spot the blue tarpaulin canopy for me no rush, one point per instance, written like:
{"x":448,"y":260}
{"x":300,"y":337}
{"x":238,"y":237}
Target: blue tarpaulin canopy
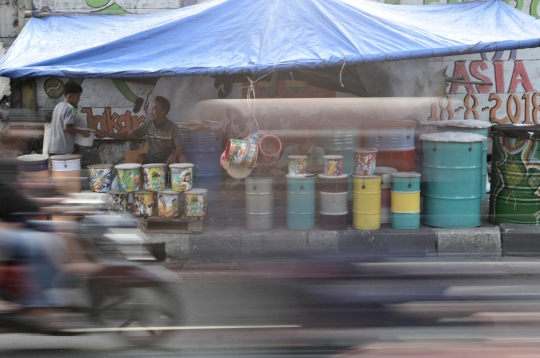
{"x":228,"y":37}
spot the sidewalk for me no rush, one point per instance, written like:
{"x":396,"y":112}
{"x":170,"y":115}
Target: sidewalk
{"x":225,"y":238}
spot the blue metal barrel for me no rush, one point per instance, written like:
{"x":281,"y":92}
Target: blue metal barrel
{"x":301,"y":202}
{"x":452,"y":171}
{"x":405,"y":200}
{"x":203,"y":147}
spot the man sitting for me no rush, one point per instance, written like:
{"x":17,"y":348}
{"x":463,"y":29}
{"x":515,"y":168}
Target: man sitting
{"x":162,"y":136}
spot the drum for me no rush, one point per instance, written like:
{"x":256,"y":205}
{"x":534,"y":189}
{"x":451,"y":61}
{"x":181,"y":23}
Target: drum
{"x":66,"y":173}
{"x":366,"y":202}
{"x":167,"y":203}
{"x":144,"y":203}
{"x":386,"y":186}
{"x":300,"y":202}
{"x":333,"y":165}
{"x":405,"y":200}
{"x":297,"y":165}
{"x":100,"y":177}
{"x":195,"y":202}
{"x":451,"y":187}
{"x":155,"y":176}
{"x":181,"y":176}
{"x":129,"y":177}
{"x":118,"y":201}
{"x":365,"y":160}
{"x":35,"y":165}
{"x":259,"y":202}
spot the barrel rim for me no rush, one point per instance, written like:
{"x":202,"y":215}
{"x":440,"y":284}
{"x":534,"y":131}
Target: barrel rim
{"x":460,"y":123}
{"x":332,"y":156}
{"x":32,"y":158}
{"x":365,"y":150}
{"x":300,"y":176}
{"x":453,"y":137}
{"x":62,"y":157}
{"x":128,"y":166}
{"x":366,"y":176}
{"x":297,"y":156}
{"x":181,"y":165}
{"x":406,"y":175}
{"x":152,"y":165}
{"x":168,"y":191}
{"x":341,"y":213}
{"x":342,"y":176}
{"x":100,"y":166}
{"x":195,"y":191}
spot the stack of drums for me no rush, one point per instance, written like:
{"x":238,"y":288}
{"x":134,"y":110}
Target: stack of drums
{"x":129,"y":181}
{"x":515,"y":175}
{"x":405,"y":200}
{"x":195,"y":202}
{"x":259,"y":202}
{"x":66,"y":173}
{"x":394,"y":141}
{"x":451,"y":188}
{"x":300,"y":202}
{"x":155,"y":181}
{"x":35,"y":166}
{"x":202,"y":145}
{"x":469,"y":126}
{"x":386,"y":186}
{"x":366,"y":202}
{"x":333,"y":193}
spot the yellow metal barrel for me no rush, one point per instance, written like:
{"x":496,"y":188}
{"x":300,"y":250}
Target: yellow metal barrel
{"x":366,"y":202}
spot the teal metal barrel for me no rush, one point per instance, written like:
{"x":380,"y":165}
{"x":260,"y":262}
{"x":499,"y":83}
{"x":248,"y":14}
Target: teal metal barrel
{"x":405,"y":205}
{"x":301,"y":202}
{"x":451,"y":187}
{"x":469,"y":126}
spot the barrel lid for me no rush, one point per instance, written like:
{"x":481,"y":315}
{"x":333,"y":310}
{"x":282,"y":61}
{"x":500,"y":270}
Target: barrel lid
{"x":388,"y":124}
{"x":365,"y":150}
{"x":128,"y":166}
{"x":66,"y":157}
{"x":384,"y":170}
{"x":522,"y":131}
{"x":366,"y":176}
{"x":334,"y":214}
{"x":303,"y":176}
{"x":200,"y":126}
{"x":342,"y":176}
{"x":297,"y":157}
{"x":32,"y":158}
{"x":460,"y":123}
{"x":406,"y":175}
{"x":168,"y":192}
{"x":100,"y":166}
{"x":181,"y":165}
{"x":459,"y":137}
{"x":197,"y":191}
{"x":154,"y":165}
{"x":332,"y":156}
{"x":143,"y":192}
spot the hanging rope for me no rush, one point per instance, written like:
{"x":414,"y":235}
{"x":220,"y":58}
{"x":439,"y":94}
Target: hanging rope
{"x":341,"y":73}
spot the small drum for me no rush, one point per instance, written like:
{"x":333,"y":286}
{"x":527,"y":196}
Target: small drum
{"x":66,"y":172}
{"x":333,"y":165}
{"x":35,"y":165}
{"x":118,"y":201}
{"x":386,"y":186}
{"x":168,"y":206}
{"x":406,"y":201}
{"x":155,"y":177}
{"x":366,"y":202}
{"x":297,"y":165}
{"x":144,"y":203}
{"x":181,"y":176}
{"x":129,"y":177}
{"x":195,"y":202}
{"x":365,"y":160}
{"x":100,"y":177}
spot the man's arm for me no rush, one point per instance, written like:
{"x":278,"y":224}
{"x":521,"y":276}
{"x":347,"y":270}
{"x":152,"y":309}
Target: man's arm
{"x":120,"y":135}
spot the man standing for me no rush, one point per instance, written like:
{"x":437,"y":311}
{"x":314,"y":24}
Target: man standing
{"x":63,"y":130}
{"x":162,"y":136}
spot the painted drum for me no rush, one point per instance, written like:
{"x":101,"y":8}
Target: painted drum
{"x":333,"y":184}
{"x":259,"y":202}
{"x":451,"y":184}
{"x":168,"y":204}
{"x":300,"y":202}
{"x":333,"y":222}
{"x":155,"y":176}
{"x":34,"y":165}
{"x":129,"y":177}
{"x":181,"y":176}
{"x":365,"y":160}
{"x":195,"y":202}
{"x":66,"y":173}
{"x":469,"y":126}
{"x":333,"y":165}
{"x":515,"y":175}
{"x":366,"y":202}
{"x":388,"y":134}
{"x":223,"y":161}
{"x":333,"y":203}
{"x":118,"y":201}
{"x":100,"y":177}
{"x":386,"y":186}
{"x":244,"y":152}
{"x":144,"y":203}
{"x":297,"y":165}
{"x":406,"y":200}
{"x":401,"y":159}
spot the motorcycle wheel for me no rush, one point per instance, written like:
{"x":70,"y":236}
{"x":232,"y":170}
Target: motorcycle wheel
{"x":141,"y":315}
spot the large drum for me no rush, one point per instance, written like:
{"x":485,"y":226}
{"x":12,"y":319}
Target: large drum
{"x":333,"y":184}
{"x":386,"y":186}
{"x":469,"y":126}
{"x":301,"y":202}
{"x":66,"y":173}
{"x":452,"y":170}
{"x":259,"y":202}
{"x":35,"y":166}
{"x":100,"y":177}
{"x":181,"y":176}
{"x":168,"y":204}
{"x":515,"y":175}
{"x":144,"y":203}
{"x":195,"y":202}
{"x":155,"y":177}
{"x":405,"y":200}
{"x":129,"y":177}
{"x":366,"y":202}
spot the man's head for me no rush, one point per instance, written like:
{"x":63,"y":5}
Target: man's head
{"x":72,"y":93}
{"x":162,"y":199}
{"x":160,"y":109}
{"x":305,"y":136}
